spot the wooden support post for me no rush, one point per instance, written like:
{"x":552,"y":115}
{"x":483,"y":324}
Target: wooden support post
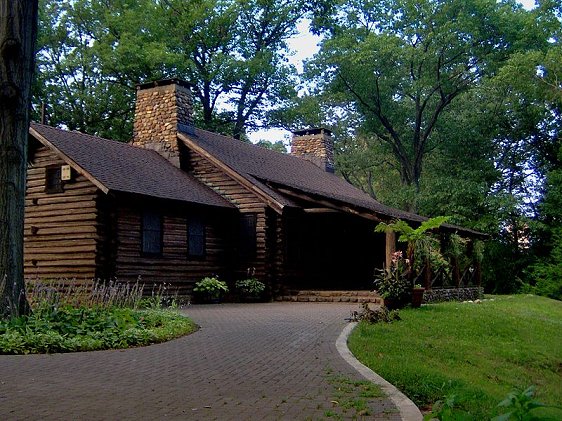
{"x":390,"y":247}
{"x":427,"y":274}
{"x":456,"y":272}
{"x":478,"y":274}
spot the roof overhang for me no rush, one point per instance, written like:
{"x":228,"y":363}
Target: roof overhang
{"x":45,"y":142}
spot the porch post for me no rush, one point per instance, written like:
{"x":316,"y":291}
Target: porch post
{"x":390,"y":247}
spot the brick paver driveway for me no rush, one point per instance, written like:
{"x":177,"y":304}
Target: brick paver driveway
{"x":260,"y":361}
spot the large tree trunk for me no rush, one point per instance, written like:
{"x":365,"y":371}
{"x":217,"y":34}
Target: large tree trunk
{"x":18,"y":33}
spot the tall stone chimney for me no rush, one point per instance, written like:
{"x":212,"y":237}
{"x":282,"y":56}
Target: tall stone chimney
{"x":162,"y":109}
{"x":315,"y":145}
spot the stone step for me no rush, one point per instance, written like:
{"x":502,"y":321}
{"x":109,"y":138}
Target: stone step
{"x":331,"y":296}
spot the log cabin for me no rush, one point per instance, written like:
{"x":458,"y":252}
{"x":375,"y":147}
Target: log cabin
{"x":179,"y":203}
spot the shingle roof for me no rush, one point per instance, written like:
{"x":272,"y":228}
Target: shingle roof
{"x":130,"y":169}
{"x":293,"y":172}
{"x":268,"y":169}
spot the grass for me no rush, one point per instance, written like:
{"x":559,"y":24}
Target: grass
{"x":478,"y":352}
{"x":351,"y":398}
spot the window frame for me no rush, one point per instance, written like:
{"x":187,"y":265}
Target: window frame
{"x":144,"y":214}
{"x":53,"y":172}
{"x":248,"y":242}
{"x":195,"y":220}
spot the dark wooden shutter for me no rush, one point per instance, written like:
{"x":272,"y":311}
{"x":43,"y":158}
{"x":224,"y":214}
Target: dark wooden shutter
{"x":248,"y":235}
{"x":195,"y":237}
{"x":151,"y":233}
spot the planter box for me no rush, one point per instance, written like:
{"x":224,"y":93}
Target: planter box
{"x":417,"y":297}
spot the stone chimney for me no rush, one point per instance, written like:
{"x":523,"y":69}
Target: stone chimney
{"x":163,"y":108}
{"x":315,"y":145}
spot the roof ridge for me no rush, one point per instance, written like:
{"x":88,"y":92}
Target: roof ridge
{"x":260,"y":148}
{"x":93,"y":136}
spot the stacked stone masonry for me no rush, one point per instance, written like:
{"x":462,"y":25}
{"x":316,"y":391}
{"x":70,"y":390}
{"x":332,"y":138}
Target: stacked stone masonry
{"x":160,"y":111}
{"x":313,"y":296}
{"x":316,"y":146}
{"x":452,"y":294}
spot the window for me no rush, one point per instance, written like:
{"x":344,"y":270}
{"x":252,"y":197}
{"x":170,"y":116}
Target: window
{"x":195,"y":237}
{"x":151,"y":233}
{"x":53,"y":182}
{"x":248,"y":235}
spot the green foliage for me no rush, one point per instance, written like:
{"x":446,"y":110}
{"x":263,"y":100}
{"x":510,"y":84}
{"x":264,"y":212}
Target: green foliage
{"x":546,"y":273}
{"x":92,"y":53}
{"x":478,"y":352}
{"x":274,"y":146}
{"x":403,"y":63}
{"x":67,"y":329}
{"x":421,"y":245}
{"x":445,"y":410}
{"x":393,"y":282}
{"x":416,"y":236}
{"x":377,"y":315}
{"x":250,"y":286}
{"x":520,"y":404}
{"x":351,"y":398}
{"x":211,"y":287}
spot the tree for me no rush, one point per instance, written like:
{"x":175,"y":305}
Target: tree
{"x":18,"y":26}
{"x":404,"y":63}
{"x":90,"y":56}
{"x":93,"y":52}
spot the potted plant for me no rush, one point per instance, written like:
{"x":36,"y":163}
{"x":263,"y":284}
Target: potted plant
{"x":210,"y":289}
{"x":250,"y":289}
{"x":392,"y":283}
{"x":417,"y":295}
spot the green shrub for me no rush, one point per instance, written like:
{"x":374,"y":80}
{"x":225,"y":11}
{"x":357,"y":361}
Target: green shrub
{"x":68,"y":329}
{"x":250,"y":286}
{"x":371,"y":316}
{"x":211,"y":287}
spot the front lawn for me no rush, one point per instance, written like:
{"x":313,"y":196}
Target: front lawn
{"x":477,"y":352}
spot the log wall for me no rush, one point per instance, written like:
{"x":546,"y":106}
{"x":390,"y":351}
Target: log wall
{"x":173,"y":266}
{"x":246,"y":202}
{"x":61,"y":229}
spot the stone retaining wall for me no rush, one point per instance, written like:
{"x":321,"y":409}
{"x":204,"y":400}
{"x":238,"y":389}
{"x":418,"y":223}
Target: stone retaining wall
{"x":452,"y":294}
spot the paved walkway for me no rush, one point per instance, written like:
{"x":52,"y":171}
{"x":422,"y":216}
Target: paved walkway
{"x":261,"y":361}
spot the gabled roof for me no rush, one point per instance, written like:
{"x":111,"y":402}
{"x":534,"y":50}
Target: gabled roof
{"x":120,"y":167}
{"x":273,"y":169}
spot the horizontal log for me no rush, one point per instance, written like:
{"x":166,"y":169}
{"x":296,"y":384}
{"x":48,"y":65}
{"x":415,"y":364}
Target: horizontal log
{"x":41,"y":237}
{"x":85,"y":216}
{"x":50,"y":208}
{"x":44,"y":199}
{"x":59,"y":247}
{"x":70,"y":259}
{"x":71,"y":230}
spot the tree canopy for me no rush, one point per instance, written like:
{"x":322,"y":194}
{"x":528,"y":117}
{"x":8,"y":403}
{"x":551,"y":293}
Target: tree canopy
{"x":92,"y":53}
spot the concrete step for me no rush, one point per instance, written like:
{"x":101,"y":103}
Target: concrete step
{"x":331,"y":296}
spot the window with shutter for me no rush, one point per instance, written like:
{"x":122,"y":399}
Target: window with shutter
{"x":151,"y":233}
{"x":195,"y":237}
{"x":248,"y":235}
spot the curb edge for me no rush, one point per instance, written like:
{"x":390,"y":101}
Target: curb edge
{"x":408,"y":410}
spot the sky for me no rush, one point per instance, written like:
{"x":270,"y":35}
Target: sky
{"x":305,"y":45}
